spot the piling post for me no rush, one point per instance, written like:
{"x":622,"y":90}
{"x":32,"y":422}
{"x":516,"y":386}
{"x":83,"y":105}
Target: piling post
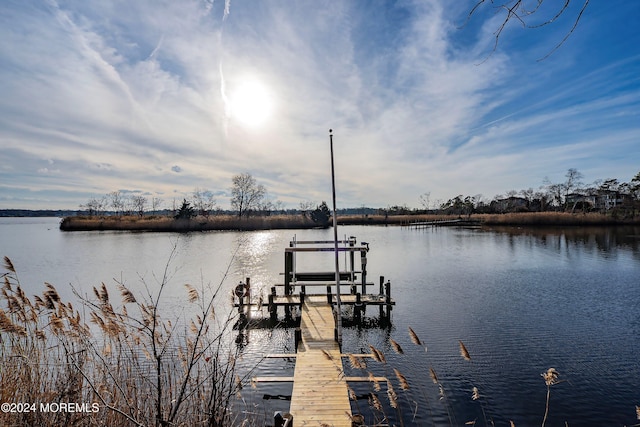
{"x":288,"y":272}
{"x":380,"y":294}
{"x":329,"y":296}
{"x":247,"y":285}
{"x":273,"y":308}
{"x":240,"y":292}
{"x":363,"y":265}
{"x":388,"y":299}
{"x":357,"y":309}
{"x":297,"y":337}
{"x":352,"y":265}
{"x":288,"y":277}
{"x":280,"y":420}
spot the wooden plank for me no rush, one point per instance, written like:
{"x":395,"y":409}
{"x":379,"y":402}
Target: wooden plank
{"x":344,"y":299}
{"x":329,"y":249}
{"x":319,"y":374}
{"x":316,"y":284}
{"x":293,"y":355}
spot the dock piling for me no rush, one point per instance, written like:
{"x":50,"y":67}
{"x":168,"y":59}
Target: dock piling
{"x":357,"y":309}
{"x":273,"y":308}
{"x":388,"y":299}
{"x":380,"y":293}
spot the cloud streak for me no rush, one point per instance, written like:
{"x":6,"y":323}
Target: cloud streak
{"x":135,"y":96}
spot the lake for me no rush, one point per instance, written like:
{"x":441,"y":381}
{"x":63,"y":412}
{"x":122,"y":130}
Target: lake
{"x":522,"y":300}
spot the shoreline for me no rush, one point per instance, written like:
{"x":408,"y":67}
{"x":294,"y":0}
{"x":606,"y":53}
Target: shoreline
{"x":277,"y":222}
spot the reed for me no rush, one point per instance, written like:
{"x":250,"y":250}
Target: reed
{"x":163,"y":223}
{"x":547,"y":219}
{"x":116,"y":359}
{"x":550,"y":378}
{"x":463,"y":351}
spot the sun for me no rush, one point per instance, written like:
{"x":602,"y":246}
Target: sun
{"x":251,"y":103}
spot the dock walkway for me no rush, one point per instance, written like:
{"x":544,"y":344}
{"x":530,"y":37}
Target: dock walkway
{"x":320,"y":394}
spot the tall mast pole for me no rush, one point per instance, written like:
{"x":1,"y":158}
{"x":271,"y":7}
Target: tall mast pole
{"x":335,"y":243}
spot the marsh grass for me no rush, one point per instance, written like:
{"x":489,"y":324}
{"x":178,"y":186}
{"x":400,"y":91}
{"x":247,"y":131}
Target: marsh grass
{"x":119,"y":352}
{"x":200,"y":223}
{"x":232,"y":222}
{"x":547,"y":219}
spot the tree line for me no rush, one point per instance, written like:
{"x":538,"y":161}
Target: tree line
{"x":608,"y":195}
{"x":248,"y":197}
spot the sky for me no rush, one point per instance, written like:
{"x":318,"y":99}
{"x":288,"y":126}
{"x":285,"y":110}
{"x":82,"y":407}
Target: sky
{"x":160,"y":97}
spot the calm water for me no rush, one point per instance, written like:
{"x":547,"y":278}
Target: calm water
{"x":521,"y":300}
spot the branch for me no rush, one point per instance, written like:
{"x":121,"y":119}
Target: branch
{"x":575,"y":24}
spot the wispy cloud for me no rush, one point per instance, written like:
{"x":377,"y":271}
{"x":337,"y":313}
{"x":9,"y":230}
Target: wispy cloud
{"x":135,"y":95}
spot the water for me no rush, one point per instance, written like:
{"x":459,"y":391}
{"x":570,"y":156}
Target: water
{"x":521,"y":300}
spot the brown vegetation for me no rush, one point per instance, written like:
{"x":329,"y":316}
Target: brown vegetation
{"x":551,"y":219}
{"x":273,"y":222}
{"x":524,"y":219}
{"x":116,"y":364}
{"x":200,"y":223}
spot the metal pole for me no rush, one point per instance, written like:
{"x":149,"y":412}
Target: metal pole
{"x":335,"y":243}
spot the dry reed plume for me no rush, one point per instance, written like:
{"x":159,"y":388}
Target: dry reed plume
{"x":414,"y":337}
{"x":123,"y":362}
{"x":550,"y":378}
{"x":356,"y":362}
{"x":377,"y":355}
{"x":396,"y":347}
{"x":463,"y":351}
{"x":391,"y":393}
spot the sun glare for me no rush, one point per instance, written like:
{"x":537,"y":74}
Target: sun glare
{"x":251,"y":103}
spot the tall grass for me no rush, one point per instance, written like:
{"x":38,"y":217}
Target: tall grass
{"x":117,"y":357}
{"x":232,"y":222}
{"x":547,"y":219}
{"x":163,"y":223}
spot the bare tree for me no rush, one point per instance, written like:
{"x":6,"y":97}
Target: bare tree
{"x":278,"y":206}
{"x":155,"y":203}
{"x":573,"y":182}
{"x":139,"y":203}
{"x":554,"y":191}
{"x":116,"y":199}
{"x":246,"y":194}
{"x":306,"y":206}
{"x":531,"y":14}
{"x":95,"y":206}
{"x":203,"y":201}
{"x":528,"y":195}
{"x":425,"y":200}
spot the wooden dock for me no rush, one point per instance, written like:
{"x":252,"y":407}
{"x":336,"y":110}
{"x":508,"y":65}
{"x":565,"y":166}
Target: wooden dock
{"x":353,"y":281}
{"x":320,"y":393}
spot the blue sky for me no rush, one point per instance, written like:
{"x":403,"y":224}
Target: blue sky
{"x":161,"y":97}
